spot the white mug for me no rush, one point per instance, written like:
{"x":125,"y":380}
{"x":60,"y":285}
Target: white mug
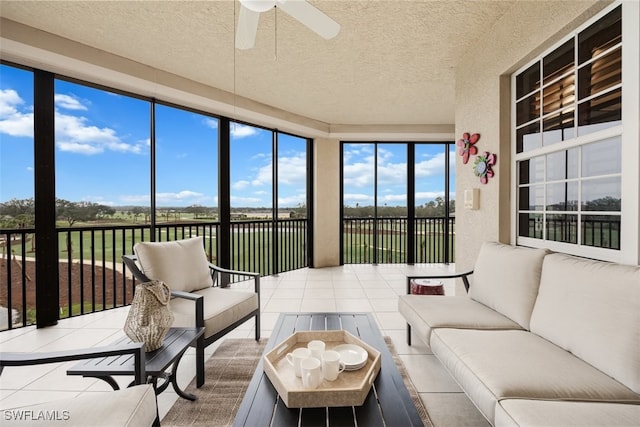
{"x":296,"y":357}
{"x":317,"y":348}
{"x":331,"y":365}
{"x":311,"y":369}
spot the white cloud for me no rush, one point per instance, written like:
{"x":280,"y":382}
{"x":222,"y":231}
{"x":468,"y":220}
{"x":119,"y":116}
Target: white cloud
{"x":73,"y":134}
{"x":181,"y":198}
{"x":68,"y":102}
{"x":292,"y":201}
{"x":242,"y":131}
{"x":263,"y":177}
{"x":212,"y":123}
{"x":292,"y":170}
{"x":14,"y":122}
{"x":432,"y":166}
{"x":241,"y":185}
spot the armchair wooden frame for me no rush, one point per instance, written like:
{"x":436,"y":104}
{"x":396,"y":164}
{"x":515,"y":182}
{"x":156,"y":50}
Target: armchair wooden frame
{"x":202,"y":342}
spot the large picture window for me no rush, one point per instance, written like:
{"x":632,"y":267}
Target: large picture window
{"x":568,"y":143}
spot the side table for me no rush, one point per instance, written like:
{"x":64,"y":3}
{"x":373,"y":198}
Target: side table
{"x":157,"y":362}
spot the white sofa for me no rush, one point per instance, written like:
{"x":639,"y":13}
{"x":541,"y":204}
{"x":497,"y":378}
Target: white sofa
{"x":541,"y":338}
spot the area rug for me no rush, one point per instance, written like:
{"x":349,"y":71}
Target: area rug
{"x":228,"y":373}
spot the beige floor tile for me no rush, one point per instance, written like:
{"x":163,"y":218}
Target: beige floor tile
{"x":357,"y":305}
{"x":318,"y":305}
{"x":319,"y":293}
{"x":349,"y":293}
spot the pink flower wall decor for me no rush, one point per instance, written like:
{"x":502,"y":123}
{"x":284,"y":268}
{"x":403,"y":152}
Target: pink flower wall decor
{"x":466,"y":147}
{"x":483,"y":164}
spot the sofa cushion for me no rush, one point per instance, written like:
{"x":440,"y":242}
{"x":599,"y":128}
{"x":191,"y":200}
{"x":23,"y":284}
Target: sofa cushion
{"x":592,"y":309}
{"x":130,"y":407}
{"x":181,"y":264}
{"x":550,"y":413}
{"x":492,"y":365}
{"x":222,"y":307}
{"x":424,"y":313}
{"x":506,"y":279}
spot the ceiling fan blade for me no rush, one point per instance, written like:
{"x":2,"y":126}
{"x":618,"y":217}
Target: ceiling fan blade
{"x":247,"y":28}
{"x":311,"y":17}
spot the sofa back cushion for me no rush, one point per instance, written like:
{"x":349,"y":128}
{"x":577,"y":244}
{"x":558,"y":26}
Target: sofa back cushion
{"x":181,"y":264}
{"x":592,"y":309}
{"x":506,"y":278}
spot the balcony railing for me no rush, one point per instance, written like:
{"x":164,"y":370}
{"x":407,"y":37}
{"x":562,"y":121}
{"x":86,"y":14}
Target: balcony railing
{"x":384,"y":240}
{"x":92,"y":277}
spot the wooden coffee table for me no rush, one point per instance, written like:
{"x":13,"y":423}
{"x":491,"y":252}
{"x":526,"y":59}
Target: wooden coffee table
{"x":392,"y":407}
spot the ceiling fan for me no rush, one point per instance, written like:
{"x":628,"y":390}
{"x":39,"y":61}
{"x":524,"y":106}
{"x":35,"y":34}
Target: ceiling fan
{"x":301,"y":10}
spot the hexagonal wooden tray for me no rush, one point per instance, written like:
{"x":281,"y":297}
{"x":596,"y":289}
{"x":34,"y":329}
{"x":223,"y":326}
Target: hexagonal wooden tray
{"x":350,"y":389}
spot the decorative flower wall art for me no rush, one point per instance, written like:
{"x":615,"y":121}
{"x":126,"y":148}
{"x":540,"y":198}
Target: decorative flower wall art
{"x":483,"y":164}
{"x":466,"y":145}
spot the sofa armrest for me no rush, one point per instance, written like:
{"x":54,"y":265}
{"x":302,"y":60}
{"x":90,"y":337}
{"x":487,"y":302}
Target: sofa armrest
{"x":453,"y":275}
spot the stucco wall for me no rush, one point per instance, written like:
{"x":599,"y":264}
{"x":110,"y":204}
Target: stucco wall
{"x":326,"y":250}
{"x":483,"y":106}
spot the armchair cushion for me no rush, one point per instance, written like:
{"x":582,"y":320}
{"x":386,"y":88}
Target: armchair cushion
{"x":181,"y":264}
{"x":223,"y":307}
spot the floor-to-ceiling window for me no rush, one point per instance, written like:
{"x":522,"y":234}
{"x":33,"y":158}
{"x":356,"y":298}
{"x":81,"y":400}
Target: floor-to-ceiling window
{"x":569,"y":142}
{"x":17,"y":210}
{"x":396,"y":202}
{"x":104,"y":169}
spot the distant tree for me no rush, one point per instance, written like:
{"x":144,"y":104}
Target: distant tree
{"x":17,"y":213}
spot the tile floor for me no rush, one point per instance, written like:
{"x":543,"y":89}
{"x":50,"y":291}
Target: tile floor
{"x":362,"y":288}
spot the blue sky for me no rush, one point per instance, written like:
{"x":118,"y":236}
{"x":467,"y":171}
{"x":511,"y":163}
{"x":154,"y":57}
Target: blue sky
{"x":103,"y":151}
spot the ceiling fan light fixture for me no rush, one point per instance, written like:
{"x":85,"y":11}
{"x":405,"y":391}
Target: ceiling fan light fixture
{"x":258,"y":5}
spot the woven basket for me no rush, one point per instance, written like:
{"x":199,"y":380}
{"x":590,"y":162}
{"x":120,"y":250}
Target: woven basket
{"x":149,"y":317}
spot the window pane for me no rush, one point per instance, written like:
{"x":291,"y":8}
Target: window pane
{"x":602,"y":158}
{"x":602,"y":194}
{"x":562,"y":165}
{"x":530,"y":225}
{"x":358,"y":184}
{"x":430,"y":179}
{"x":251,"y":172}
{"x":528,"y":109}
{"x":602,"y":231}
{"x":600,"y":113}
{"x":562,"y":196}
{"x":102,"y":152}
{"x":531,"y":170}
{"x":186,"y":166}
{"x":292,"y":176}
{"x":562,"y":228}
{"x":558,"y":127}
{"x":528,"y":80}
{"x":528,"y":138}
{"x":600,"y":74}
{"x":600,"y":36}
{"x":16,"y":148}
{"x":392,"y":180}
{"x":531,"y":198}
{"x":559,"y":94}
{"x":558,"y":62}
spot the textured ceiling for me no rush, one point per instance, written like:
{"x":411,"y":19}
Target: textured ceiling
{"x":393,"y":62}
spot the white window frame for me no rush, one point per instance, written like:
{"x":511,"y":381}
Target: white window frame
{"x":628,"y":131}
